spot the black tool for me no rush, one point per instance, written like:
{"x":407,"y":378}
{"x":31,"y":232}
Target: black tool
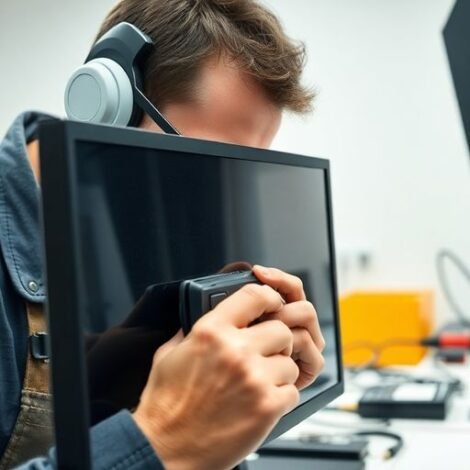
{"x":427,"y":400}
{"x":199,"y":296}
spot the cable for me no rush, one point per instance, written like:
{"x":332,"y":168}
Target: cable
{"x":443,"y":340}
{"x":441,"y":256}
{"x":392,"y":450}
{"x":358,"y":425}
{"x":388,"y":454}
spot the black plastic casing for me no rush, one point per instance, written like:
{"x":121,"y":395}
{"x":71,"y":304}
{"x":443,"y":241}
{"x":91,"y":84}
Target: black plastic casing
{"x":378,"y":402}
{"x":63,"y":260}
{"x":199,"y":296}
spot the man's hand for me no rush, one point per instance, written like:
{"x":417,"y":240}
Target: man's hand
{"x":214,"y":396}
{"x":300,"y":316}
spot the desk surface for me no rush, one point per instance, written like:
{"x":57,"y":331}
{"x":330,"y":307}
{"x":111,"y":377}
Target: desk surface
{"x":428,"y":445}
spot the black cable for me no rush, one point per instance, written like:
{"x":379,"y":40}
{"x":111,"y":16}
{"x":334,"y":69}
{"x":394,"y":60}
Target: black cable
{"x":388,"y":454}
{"x":392,"y":450}
{"x":441,"y":257}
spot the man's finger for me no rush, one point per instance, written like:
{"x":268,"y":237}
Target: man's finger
{"x":307,"y":356}
{"x":301,"y":315}
{"x":279,"y":369}
{"x":247,"y":304}
{"x":270,"y":337}
{"x":289,"y":286}
{"x":285,"y":398}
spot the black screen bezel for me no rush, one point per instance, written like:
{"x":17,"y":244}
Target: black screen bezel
{"x":63,"y":265}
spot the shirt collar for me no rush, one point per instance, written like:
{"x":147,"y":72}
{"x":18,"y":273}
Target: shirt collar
{"x":20,"y":232}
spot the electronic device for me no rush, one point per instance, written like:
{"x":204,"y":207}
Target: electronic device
{"x":125,"y":209}
{"x":107,"y":89}
{"x":346,"y":452}
{"x":340,"y":447}
{"x":198,"y":296}
{"x":411,"y":400}
{"x":269,"y":462}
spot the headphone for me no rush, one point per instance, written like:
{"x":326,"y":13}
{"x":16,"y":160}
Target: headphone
{"x":107,"y":89}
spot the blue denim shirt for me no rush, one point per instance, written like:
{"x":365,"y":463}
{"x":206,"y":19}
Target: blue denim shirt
{"x":117,"y":442}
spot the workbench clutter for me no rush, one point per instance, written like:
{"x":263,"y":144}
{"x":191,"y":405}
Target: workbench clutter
{"x":384,"y":328}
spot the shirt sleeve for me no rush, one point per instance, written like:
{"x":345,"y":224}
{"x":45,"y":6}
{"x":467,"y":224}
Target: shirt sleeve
{"x":116,"y":443}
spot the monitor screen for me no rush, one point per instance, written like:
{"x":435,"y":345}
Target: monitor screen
{"x":175,"y":209}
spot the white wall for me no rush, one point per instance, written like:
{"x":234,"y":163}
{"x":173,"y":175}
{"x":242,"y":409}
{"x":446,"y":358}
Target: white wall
{"x":386,"y":116}
{"x":41,"y":43}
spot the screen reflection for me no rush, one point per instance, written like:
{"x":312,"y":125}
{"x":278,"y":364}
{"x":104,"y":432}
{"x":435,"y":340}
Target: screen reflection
{"x":151,"y":218}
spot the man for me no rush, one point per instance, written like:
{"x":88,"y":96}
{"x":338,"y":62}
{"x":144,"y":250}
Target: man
{"x":222,"y":70}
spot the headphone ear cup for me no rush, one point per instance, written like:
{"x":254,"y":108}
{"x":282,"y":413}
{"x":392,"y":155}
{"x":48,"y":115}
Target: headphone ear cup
{"x":99,"y":92}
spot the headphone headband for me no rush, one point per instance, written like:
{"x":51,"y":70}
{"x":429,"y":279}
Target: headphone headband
{"x":108,"y":88}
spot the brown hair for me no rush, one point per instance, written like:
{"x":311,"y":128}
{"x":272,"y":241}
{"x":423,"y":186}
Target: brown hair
{"x":186,"y":33}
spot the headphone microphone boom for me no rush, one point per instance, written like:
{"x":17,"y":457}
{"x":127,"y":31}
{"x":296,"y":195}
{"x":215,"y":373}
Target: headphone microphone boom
{"x":107,"y":89}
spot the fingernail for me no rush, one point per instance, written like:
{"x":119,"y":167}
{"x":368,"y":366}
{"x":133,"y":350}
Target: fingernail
{"x":264,"y":271}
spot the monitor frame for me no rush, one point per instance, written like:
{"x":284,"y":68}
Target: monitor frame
{"x":63,"y":263}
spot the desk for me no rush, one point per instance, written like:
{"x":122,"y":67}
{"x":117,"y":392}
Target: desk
{"x":428,"y":445}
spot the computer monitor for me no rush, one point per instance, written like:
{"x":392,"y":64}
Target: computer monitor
{"x":125,"y":209}
{"x":457,"y":40}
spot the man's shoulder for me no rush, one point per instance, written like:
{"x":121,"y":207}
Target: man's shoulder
{"x":26,"y":123}
{"x":23,"y":129}
{"x":19,"y":208}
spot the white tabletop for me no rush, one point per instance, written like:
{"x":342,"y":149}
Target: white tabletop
{"x":428,"y":445}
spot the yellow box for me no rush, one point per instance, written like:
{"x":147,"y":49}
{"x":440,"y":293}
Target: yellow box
{"x":383,"y":327}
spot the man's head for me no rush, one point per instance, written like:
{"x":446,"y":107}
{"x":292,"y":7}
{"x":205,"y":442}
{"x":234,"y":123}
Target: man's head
{"x":220,"y":69}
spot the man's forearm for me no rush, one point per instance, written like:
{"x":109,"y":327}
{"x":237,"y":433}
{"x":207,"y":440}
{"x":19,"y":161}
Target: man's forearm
{"x":116,"y":443}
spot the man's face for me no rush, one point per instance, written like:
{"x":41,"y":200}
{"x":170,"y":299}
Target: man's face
{"x":229,"y":107}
